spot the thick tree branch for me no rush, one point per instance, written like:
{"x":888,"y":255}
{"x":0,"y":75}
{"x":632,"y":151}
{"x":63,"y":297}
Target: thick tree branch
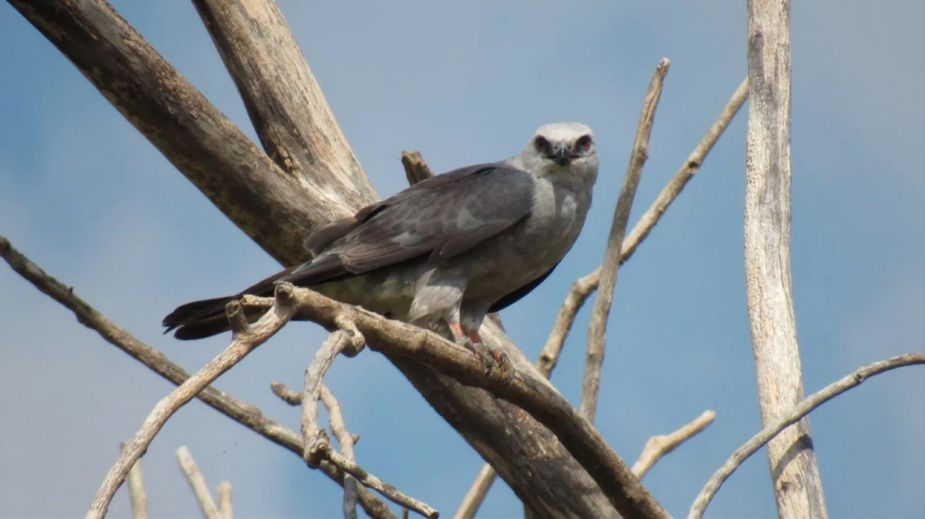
{"x":658,"y":446}
{"x":521,"y":387}
{"x":194,"y":135}
{"x":594,"y":359}
{"x":283,"y":99}
{"x":769,"y":288}
{"x":244,"y":413}
{"x":791,"y":416}
{"x":583,"y":287}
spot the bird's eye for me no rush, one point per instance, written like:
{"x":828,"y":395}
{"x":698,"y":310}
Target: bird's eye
{"x":583,"y":143}
{"x":541,"y":144}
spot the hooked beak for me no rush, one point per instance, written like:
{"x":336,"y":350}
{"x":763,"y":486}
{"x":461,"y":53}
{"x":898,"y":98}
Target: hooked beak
{"x":561,"y":154}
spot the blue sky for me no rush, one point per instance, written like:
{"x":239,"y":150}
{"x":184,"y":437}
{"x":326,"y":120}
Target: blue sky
{"x":86,"y":197}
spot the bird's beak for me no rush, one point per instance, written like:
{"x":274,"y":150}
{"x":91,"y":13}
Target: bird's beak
{"x":561,"y":154}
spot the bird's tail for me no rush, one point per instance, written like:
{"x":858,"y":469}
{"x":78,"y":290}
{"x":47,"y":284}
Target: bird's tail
{"x":205,"y":318}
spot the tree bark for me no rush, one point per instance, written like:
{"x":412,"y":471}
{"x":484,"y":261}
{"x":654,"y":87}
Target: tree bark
{"x":794,"y":471}
{"x":279,"y":206}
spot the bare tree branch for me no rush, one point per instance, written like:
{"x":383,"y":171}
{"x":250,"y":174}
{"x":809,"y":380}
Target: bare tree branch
{"x":769,"y":288}
{"x":416,"y":169}
{"x":522,"y":388}
{"x":658,"y":446}
{"x":346,"y":441}
{"x":243,"y":342}
{"x":225,"y":494}
{"x":477,"y":492}
{"x":584,"y":286}
{"x":194,"y":135}
{"x":285,"y":103}
{"x":197,"y":483}
{"x":594,"y":358}
{"x":242,"y":412}
{"x":791,"y":416}
{"x":136,"y":492}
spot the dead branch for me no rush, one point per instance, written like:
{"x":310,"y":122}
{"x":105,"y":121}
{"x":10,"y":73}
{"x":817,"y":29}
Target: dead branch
{"x":769,"y":288}
{"x":658,"y":446}
{"x":594,"y":359}
{"x":136,"y":492}
{"x":314,"y":376}
{"x":346,"y":441}
{"x":584,"y":286}
{"x":791,"y":416}
{"x":286,"y":106}
{"x":197,"y":483}
{"x":522,"y":388}
{"x":416,"y":169}
{"x":243,"y":342}
{"x":242,"y":412}
{"x":225,"y":493}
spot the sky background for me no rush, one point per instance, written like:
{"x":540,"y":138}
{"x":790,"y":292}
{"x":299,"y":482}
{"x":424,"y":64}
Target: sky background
{"x":92,"y":202}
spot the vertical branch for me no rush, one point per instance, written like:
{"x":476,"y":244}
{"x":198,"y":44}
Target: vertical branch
{"x":596,"y":332}
{"x":136,"y":492}
{"x":794,"y":471}
{"x":197,"y":483}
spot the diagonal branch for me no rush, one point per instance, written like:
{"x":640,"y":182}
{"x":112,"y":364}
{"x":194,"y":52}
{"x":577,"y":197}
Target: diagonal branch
{"x":586,"y":285}
{"x":198,"y":484}
{"x":245,"y":340}
{"x":658,"y":446}
{"x":193,"y":134}
{"x":285,"y":103}
{"x":244,"y":413}
{"x":590,"y":387}
{"x":791,"y":416}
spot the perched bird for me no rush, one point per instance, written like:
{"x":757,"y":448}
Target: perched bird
{"x":449,"y":249}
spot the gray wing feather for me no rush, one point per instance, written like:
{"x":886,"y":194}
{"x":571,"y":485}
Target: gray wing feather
{"x":441,"y":217}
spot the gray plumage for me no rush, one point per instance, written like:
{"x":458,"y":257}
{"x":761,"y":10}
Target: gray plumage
{"x":449,"y":249}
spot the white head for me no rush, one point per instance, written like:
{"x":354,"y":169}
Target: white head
{"x":557,"y":147}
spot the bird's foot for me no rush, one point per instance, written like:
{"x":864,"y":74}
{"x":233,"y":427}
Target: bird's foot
{"x":491,"y":359}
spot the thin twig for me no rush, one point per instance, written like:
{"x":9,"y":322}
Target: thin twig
{"x":586,"y":285}
{"x":594,"y":359}
{"x":290,"y":396}
{"x":477,"y":492}
{"x":323,"y":450}
{"x":792,"y":416}
{"x":416,"y":169}
{"x":345,"y":439}
{"x":314,"y":376}
{"x":245,"y":413}
{"x":225,"y":494}
{"x":198,"y":483}
{"x":659,"y":446}
{"x":136,"y":492}
{"x":241,"y":345}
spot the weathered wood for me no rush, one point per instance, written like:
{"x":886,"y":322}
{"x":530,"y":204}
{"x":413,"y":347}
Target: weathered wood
{"x":794,"y":471}
{"x":195,"y":136}
{"x":285,"y":103}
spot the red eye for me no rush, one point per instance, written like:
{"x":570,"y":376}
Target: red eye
{"x":541,"y":144}
{"x":583,"y":143}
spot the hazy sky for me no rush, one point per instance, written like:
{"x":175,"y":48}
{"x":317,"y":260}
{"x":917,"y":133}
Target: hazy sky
{"x":91,"y":201}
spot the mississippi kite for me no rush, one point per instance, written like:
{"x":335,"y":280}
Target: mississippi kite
{"x":449,"y":249}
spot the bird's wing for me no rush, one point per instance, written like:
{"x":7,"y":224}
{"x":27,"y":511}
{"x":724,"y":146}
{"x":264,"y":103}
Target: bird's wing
{"x":441,"y":217}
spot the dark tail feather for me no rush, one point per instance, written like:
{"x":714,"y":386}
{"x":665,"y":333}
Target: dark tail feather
{"x":205,"y":318}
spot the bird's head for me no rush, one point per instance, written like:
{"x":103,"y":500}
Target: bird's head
{"x":558,"y":146}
